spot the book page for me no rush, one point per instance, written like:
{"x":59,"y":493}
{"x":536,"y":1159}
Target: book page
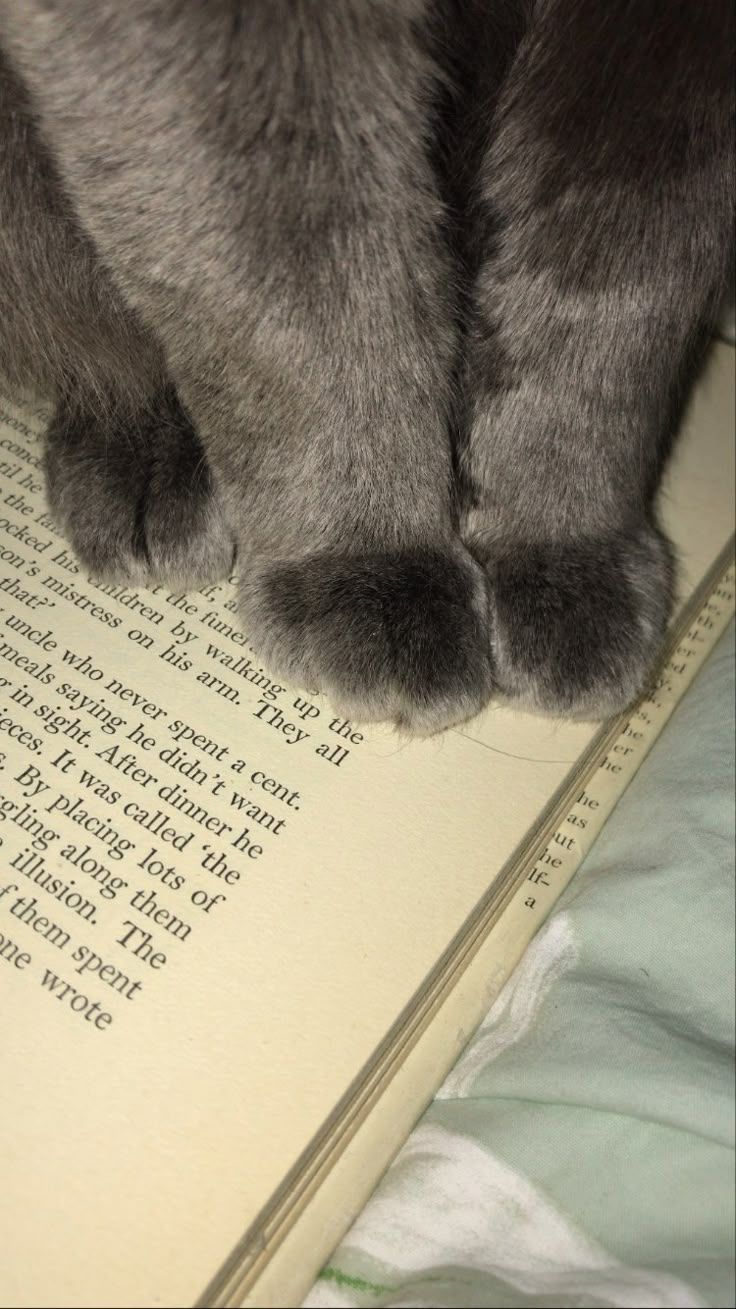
{"x":216,"y":896}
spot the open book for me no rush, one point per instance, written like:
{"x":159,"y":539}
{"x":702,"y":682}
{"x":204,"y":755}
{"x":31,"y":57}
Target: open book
{"x":242,"y":940}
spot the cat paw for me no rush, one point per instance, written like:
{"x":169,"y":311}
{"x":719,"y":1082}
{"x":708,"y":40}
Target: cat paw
{"x":134,"y":497}
{"x":400,"y":637}
{"x":577,"y":628}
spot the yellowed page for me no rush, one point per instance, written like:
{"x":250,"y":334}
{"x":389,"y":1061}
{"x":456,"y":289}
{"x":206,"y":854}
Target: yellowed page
{"x":238,"y":893}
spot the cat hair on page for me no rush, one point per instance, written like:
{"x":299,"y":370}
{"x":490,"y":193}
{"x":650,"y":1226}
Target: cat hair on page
{"x":395,"y":301}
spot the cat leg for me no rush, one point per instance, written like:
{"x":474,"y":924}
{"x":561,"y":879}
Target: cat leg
{"x":256,"y":178}
{"x":607,"y":188}
{"x":127,"y":478}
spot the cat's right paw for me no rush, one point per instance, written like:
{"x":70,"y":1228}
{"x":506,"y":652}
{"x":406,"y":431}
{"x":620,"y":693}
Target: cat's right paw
{"x":577,"y":626}
{"x":398,"y":636}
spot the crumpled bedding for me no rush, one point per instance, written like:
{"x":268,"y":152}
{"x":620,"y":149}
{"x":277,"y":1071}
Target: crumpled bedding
{"x":581,"y":1151}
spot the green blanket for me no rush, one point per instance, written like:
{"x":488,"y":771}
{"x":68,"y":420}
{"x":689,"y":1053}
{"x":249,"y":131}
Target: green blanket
{"x":581,"y":1151}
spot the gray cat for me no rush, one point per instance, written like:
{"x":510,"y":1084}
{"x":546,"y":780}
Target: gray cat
{"x":395,"y":298}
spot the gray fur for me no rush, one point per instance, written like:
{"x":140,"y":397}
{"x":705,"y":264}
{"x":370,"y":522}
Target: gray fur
{"x":298,"y":233}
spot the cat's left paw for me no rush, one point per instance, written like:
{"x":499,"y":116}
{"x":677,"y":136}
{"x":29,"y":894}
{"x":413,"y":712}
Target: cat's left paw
{"x":577,"y":627}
